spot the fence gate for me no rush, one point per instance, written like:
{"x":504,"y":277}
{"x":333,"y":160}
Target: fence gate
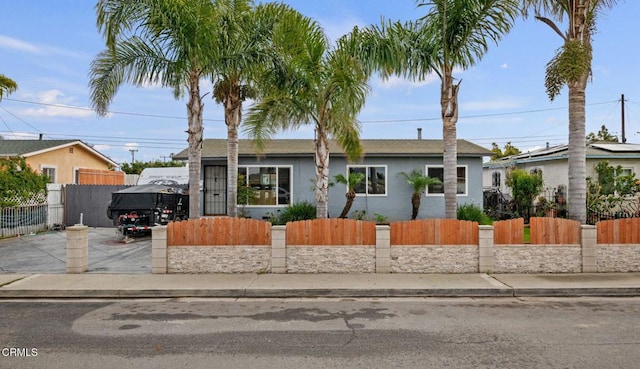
{"x":90,"y":203}
{"x":55,"y":203}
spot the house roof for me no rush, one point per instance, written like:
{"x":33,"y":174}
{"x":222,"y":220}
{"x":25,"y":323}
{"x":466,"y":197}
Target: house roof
{"x":595,"y":150}
{"x":27,"y":148}
{"x":217,"y":148}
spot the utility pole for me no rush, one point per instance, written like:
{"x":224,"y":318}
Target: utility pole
{"x":133,"y":155}
{"x":624,"y":138}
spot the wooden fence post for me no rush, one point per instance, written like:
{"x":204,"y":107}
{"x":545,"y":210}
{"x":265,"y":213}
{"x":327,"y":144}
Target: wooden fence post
{"x":485,"y":249}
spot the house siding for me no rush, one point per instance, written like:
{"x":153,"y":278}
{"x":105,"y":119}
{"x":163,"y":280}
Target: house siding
{"x":396,"y":205}
{"x":66,"y":162}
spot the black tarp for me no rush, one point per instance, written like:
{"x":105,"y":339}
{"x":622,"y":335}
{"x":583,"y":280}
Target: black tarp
{"x":141,"y":197}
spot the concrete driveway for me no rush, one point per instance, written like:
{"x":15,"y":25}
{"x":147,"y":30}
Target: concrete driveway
{"x":46,"y":253}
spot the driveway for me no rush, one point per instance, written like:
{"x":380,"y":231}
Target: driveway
{"x":46,"y":253}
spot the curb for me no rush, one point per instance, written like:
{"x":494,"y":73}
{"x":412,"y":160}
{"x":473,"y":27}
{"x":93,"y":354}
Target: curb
{"x":317,"y":293}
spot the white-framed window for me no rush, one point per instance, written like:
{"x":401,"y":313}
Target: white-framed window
{"x":271,"y":184}
{"x":437,"y":171}
{"x":49,"y":171}
{"x":375,"y":179}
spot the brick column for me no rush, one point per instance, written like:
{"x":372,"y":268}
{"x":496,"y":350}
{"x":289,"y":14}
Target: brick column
{"x":278,"y":249}
{"x":159,"y":250}
{"x":485,"y":249}
{"x":77,"y":249}
{"x":383,"y":249}
{"x":589,"y":255}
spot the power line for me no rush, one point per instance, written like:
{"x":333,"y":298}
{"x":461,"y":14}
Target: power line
{"x":363,"y":121}
{"x":108,"y":112}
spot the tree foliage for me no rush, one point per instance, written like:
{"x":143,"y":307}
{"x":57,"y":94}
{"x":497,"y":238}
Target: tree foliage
{"x":508,"y":150}
{"x":524,"y":188}
{"x":603,"y":135}
{"x":137,"y":166}
{"x":611,"y":187}
{"x":19,"y":181}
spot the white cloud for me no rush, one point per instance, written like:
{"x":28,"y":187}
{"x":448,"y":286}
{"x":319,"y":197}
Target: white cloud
{"x":102,"y":148}
{"x":131,"y":146}
{"x":403,"y":83}
{"x":20,"y":136}
{"x":11,"y":43}
{"x":504,"y":66}
{"x":56,"y":104}
{"x":15,"y":44}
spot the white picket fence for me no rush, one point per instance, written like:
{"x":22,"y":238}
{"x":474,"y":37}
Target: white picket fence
{"x":35,"y":214}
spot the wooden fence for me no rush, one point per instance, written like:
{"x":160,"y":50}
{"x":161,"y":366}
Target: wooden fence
{"x":335,"y":231}
{"x":554,"y":231}
{"x":543,"y":231}
{"x":219,"y":231}
{"x":434,"y":232}
{"x":509,"y":232}
{"x":619,"y":231}
{"x":100,"y":177}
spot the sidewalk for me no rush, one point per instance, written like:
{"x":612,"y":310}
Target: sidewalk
{"x":316,"y":285}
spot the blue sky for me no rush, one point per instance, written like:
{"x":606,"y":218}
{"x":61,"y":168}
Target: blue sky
{"x":47,"y":47}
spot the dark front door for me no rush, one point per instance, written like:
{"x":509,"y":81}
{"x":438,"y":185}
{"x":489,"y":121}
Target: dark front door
{"x":215,"y":190}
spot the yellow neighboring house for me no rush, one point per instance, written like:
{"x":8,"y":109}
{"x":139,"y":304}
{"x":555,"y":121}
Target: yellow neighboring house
{"x":64,"y":161}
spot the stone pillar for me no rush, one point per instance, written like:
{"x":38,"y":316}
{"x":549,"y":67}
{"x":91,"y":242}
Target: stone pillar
{"x":77,"y":249}
{"x":278,"y":249}
{"x":485,"y":249}
{"x":589,"y":252}
{"x":383,"y":249}
{"x":159,"y":250}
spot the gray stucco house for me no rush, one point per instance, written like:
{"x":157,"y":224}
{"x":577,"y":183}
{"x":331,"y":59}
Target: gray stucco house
{"x":285,"y":174}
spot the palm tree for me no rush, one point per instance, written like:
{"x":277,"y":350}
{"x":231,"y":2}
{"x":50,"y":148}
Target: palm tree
{"x":7,"y":86}
{"x":160,"y":42}
{"x":312,"y":84}
{"x":453,"y":35}
{"x":351,"y":181}
{"x":419,"y":182}
{"x":571,"y":67}
{"x":242,"y":49}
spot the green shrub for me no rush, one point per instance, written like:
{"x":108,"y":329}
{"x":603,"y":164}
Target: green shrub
{"x":473,"y":213}
{"x":299,"y":211}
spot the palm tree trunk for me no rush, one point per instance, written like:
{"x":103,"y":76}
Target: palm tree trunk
{"x":322,"y":174}
{"x":232,"y":117}
{"x":194,"y":114}
{"x":347,"y":206}
{"x":415,"y":205}
{"x":577,"y":196}
{"x":449,"y":106}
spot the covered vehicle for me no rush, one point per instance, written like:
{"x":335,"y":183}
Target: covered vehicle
{"x":136,"y":209}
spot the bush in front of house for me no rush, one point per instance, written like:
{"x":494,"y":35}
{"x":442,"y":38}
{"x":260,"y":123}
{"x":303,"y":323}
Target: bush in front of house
{"x":299,"y":211}
{"x":473,"y":213}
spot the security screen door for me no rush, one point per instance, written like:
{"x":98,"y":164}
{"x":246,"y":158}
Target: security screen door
{"x":215,"y":190}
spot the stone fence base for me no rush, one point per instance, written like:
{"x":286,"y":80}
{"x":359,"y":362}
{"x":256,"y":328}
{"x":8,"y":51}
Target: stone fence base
{"x":485,"y":257}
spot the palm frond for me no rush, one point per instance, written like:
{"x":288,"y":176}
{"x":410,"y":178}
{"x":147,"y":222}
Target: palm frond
{"x":7,"y":86}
